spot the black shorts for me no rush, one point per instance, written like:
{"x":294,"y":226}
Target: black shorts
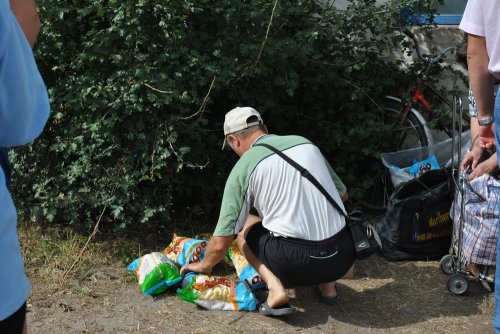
{"x":303,"y":262}
{"x":15,"y":323}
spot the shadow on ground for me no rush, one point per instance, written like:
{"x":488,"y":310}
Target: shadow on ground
{"x":386,"y":294}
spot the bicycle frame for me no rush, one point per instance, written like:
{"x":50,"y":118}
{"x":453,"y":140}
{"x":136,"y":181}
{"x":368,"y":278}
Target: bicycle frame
{"x":410,"y":127}
{"x":419,"y":97}
{"x":422,"y":84}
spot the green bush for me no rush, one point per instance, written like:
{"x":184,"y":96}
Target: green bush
{"x":139,"y":90}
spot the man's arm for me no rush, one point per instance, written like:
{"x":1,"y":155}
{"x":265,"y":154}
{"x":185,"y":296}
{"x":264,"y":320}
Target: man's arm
{"x":215,"y":252}
{"x":482,"y":85}
{"x":25,"y":105}
{"x":27,"y":16}
{"x":472,"y":158}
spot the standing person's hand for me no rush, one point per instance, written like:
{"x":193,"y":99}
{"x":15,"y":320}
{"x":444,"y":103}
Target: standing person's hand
{"x":487,"y":136}
{"x":489,"y":166}
{"x":472,"y":158}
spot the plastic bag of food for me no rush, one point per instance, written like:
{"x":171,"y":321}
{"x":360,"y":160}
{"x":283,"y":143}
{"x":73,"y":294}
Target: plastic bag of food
{"x":217,"y":293}
{"x":155,"y":273}
{"x":184,"y":250}
{"x":420,"y":167}
{"x":244,"y":270}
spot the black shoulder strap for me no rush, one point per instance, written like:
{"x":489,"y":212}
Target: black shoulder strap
{"x":305,"y":173}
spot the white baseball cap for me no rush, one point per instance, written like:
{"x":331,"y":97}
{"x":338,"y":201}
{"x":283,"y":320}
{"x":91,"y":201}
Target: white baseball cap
{"x":238,"y":119}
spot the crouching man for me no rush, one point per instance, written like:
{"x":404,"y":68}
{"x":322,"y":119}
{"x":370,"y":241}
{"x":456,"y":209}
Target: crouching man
{"x":298,"y":237}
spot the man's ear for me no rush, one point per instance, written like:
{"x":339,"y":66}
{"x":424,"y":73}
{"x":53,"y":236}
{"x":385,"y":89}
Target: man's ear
{"x":232,"y":141}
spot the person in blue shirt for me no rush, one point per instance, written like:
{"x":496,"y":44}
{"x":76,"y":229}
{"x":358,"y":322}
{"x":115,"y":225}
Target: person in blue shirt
{"x":24,"y":110}
{"x":27,"y":16}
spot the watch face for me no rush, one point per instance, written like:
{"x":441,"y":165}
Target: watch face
{"x":485,"y":121}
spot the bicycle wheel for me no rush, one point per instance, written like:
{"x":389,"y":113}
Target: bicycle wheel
{"x":444,"y":123}
{"x":411,"y":133}
{"x":376,"y":196}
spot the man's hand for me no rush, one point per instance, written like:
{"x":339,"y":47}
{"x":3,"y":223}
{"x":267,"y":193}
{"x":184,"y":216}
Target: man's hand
{"x":486,"y":136}
{"x":197,"y":267}
{"x":214,"y":253}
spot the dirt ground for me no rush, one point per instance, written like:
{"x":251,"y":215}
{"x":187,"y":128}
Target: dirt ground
{"x":382,"y":297}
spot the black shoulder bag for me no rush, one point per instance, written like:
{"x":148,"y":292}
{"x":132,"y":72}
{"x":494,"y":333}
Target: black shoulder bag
{"x":365,"y":237}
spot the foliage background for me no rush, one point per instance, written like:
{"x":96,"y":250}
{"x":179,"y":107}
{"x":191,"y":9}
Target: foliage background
{"x":139,"y":90}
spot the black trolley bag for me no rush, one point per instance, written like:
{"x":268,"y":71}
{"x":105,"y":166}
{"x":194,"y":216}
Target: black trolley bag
{"x":417,"y":225}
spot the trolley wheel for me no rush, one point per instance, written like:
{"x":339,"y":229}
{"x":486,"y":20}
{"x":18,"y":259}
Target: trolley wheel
{"x":457,"y":284}
{"x":447,"y":264}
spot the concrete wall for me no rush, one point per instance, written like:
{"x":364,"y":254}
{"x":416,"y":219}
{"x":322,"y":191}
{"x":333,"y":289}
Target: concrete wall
{"x":443,"y":36}
{"x":342,"y":4}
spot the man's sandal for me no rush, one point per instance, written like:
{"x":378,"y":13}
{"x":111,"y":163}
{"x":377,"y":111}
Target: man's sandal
{"x":327,"y":300}
{"x":284,"y":309}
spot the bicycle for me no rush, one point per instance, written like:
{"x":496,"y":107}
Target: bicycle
{"x":409,"y":126}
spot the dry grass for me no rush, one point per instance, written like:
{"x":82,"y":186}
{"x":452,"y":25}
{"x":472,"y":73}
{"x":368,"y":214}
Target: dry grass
{"x":382,"y":297}
{"x":50,"y":252}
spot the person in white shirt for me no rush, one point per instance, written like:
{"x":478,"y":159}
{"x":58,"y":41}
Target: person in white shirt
{"x":481,"y":21}
{"x":296,"y":237}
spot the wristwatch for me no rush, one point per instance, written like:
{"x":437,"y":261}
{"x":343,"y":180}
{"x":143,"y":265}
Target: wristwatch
{"x":486,"y":120}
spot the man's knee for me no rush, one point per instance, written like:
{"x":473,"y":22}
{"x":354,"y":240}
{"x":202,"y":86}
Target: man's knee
{"x":251,"y":221}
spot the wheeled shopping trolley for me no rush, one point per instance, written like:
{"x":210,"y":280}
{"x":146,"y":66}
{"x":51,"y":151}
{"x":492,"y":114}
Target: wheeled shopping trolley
{"x":475,"y":216}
